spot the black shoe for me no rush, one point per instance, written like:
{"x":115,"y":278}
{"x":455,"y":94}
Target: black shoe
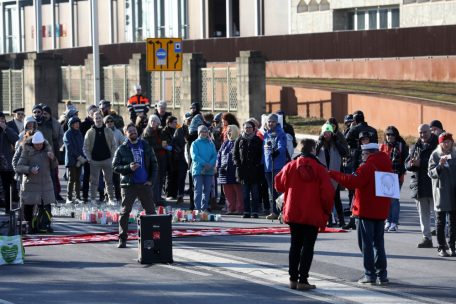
{"x":382,"y":282}
{"x":425,"y":243}
{"x":246,"y":215}
{"x":351,"y":224}
{"x":122,"y":244}
{"x":254,"y":215}
{"x":50,"y":230}
{"x":433,"y":232}
{"x":443,"y":252}
{"x":58,"y":197}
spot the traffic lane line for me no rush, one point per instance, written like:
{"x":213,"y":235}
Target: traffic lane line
{"x":328,"y":289}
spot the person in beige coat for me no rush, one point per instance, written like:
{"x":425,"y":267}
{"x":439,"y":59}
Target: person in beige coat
{"x":36,"y":163}
{"x":99,"y":148}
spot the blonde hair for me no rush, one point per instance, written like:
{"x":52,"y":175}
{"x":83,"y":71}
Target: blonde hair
{"x":234,"y":132}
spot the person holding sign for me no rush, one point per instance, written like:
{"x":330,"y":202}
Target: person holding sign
{"x":371,"y":211}
{"x":442,"y":171}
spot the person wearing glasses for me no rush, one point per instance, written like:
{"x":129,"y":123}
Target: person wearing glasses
{"x":420,"y":182}
{"x":17,"y":123}
{"x":395,"y":147}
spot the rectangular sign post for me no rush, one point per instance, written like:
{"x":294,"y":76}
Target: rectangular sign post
{"x":164,"y":54}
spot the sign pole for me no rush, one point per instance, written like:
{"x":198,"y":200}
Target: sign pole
{"x":163,"y":85}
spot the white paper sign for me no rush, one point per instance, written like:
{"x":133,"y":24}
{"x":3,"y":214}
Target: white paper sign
{"x":387,"y":184}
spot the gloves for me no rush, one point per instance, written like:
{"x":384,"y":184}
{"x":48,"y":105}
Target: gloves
{"x":275,"y":153}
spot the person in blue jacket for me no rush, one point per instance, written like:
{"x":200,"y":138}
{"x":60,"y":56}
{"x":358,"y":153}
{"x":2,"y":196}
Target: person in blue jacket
{"x":274,"y":158}
{"x":74,"y":158}
{"x":203,"y":156}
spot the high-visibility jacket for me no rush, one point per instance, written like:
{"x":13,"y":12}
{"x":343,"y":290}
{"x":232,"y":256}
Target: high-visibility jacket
{"x":138,"y":103}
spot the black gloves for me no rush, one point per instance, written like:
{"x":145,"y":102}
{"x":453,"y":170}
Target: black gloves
{"x":275,"y":153}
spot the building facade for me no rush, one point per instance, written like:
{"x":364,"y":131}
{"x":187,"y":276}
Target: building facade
{"x":67,"y":23}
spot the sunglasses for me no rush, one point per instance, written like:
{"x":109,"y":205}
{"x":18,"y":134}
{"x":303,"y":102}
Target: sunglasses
{"x":37,"y":112}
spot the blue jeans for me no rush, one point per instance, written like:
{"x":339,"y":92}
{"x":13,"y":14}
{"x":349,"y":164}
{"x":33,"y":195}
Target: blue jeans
{"x":395,"y":208}
{"x":272,"y":191}
{"x":203,"y":184}
{"x":372,"y":245}
{"x":251,"y":205}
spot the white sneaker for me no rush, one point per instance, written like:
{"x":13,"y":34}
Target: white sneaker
{"x":387,"y":226}
{"x":68,"y":201}
{"x":393,"y":227}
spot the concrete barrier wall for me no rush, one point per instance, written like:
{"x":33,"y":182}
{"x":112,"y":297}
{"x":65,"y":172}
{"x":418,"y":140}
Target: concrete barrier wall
{"x":379,"y":111}
{"x":442,"y":68}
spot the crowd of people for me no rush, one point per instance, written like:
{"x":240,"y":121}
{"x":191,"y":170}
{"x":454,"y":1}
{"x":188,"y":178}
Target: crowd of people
{"x":240,"y":167}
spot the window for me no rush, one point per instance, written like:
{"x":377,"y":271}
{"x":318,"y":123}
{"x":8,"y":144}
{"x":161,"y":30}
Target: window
{"x":361,"y":20}
{"x":395,"y":18}
{"x":373,"y":19}
{"x":351,"y":21}
{"x":383,"y":19}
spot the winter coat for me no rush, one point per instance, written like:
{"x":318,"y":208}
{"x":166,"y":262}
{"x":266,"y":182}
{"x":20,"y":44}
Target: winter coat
{"x":154,"y":139}
{"x":163,"y":118}
{"x":335,"y":157}
{"x":274,"y":148}
{"x":308,"y":193}
{"x":119,"y":137}
{"x":179,"y":141}
{"x":352,"y":135}
{"x":247,"y":158}
{"x":420,"y":182}
{"x":225,"y":165}
{"x":443,"y":180}
{"x":203,"y":153}
{"x":8,"y":138}
{"x":398,"y":153}
{"x":366,"y":204}
{"x":124,"y":157}
{"x":74,"y":142}
{"x":38,"y":187}
{"x":89,"y":140}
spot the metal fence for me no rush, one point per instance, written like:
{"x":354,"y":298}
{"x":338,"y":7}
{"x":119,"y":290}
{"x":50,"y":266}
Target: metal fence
{"x":115,"y":87}
{"x":12,"y":90}
{"x":171,"y":83}
{"x":219,"y":89}
{"x":74,"y":83}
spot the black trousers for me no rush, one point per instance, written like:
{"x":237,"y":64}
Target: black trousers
{"x":8,"y":181}
{"x":303,"y":239}
{"x":441,"y":217}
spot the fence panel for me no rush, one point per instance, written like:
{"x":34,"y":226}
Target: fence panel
{"x":74,"y":84}
{"x":12,"y":95}
{"x":115,"y":87}
{"x":219,"y":89}
{"x":172,"y":87}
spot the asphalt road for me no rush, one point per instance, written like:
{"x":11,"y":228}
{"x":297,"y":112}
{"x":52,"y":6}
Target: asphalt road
{"x":228,"y":269}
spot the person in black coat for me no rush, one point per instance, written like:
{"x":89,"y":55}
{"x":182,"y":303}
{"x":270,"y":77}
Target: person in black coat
{"x":360,"y":125}
{"x":247,"y":155}
{"x":420,"y":182}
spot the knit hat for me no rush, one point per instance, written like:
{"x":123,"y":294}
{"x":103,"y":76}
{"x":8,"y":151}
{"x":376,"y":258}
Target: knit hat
{"x":73,"y":120}
{"x":445,"y":136}
{"x":327,"y":127}
{"x":348,"y":118}
{"x":273,"y":117}
{"x":105,"y":103}
{"x":38,"y":138}
{"x":369,"y":146}
{"x":202,"y":128}
{"x":105,"y":119}
{"x":2,"y":114}
{"x":195,"y":105}
{"x":29,"y":119}
{"x":71,"y":112}
{"x":91,"y":108}
{"x":436,"y":124}
{"x":250,"y":123}
{"x":218,"y":117}
{"x":37,"y":106}
{"x":47,"y":109}
{"x":137,"y":87}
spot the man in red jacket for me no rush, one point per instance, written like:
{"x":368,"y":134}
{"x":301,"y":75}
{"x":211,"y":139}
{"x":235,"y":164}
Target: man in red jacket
{"x":308,"y":202}
{"x":371,"y":211}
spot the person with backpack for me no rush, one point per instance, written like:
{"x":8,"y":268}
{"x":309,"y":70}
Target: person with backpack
{"x":36,"y":162}
{"x":395,"y":147}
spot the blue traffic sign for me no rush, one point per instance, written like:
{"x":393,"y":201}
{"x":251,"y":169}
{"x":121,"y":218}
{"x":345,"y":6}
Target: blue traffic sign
{"x":177,"y":47}
{"x":161,"y":54}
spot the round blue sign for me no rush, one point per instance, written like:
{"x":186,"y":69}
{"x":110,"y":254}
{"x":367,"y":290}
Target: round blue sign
{"x":161,"y":54}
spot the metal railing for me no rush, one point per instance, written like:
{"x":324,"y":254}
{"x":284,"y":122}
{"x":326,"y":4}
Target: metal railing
{"x":12,"y":90}
{"x":219,"y":89}
{"x":74,"y":84}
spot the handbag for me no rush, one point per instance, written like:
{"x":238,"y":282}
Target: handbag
{"x":11,"y":250}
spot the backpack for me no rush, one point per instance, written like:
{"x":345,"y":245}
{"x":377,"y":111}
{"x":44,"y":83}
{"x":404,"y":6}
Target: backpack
{"x":41,"y":221}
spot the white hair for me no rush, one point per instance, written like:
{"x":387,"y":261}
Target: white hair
{"x":161,"y":104}
{"x":154,"y":118}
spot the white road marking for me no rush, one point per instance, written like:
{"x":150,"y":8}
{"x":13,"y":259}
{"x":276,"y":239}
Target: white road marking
{"x":329,"y":289}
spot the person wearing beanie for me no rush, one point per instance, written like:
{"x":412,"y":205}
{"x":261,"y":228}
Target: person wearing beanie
{"x":436,"y":127}
{"x":203,"y":157}
{"x":442,"y":170}
{"x":37,"y":162}
{"x":371,"y":211}
{"x":359,"y":125}
{"x":8,"y":138}
{"x":330,"y":150}
{"x":105,"y":108}
{"x":274,"y":159}
{"x":420,"y":182}
{"x":247,"y":156}
{"x":99,"y":147}
{"x":74,"y":159}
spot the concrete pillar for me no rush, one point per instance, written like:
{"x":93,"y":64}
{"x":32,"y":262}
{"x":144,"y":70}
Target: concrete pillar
{"x":88,"y":63}
{"x":42,"y":80}
{"x":137,"y":74}
{"x":191,"y":80}
{"x":251,"y":85}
